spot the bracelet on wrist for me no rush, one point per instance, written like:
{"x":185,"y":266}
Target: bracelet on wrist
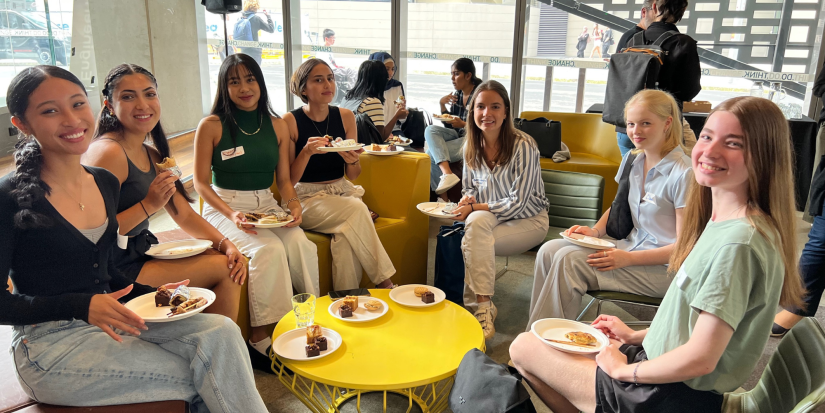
{"x":221,"y":243}
{"x":598,"y":231}
{"x":286,"y":204}
{"x":350,"y":164}
{"x":144,"y":209}
{"x":635,"y":370}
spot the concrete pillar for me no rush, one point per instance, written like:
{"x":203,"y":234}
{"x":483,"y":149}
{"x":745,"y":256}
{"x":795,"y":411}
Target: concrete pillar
{"x":163,"y":37}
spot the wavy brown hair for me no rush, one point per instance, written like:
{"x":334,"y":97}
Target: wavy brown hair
{"x":770,"y":190}
{"x":474,"y":138}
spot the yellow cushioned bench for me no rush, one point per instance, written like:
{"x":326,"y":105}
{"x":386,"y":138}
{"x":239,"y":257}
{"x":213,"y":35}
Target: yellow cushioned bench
{"x":592,"y":145}
{"x":394,"y":185}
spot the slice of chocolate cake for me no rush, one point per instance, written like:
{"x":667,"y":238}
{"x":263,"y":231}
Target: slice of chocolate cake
{"x":428,"y":297}
{"x":321,"y":342}
{"x":345,"y":311}
{"x":313,"y":350}
{"x":162,"y":297}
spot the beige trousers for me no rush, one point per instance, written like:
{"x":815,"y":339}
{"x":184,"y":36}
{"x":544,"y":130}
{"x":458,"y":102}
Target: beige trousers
{"x":280,"y":258}
{"x":562,"y":277}
{"x":336,"y":209}
{"x":485,"y":237}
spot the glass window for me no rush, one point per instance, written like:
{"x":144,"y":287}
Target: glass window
{"x":25,"y":39}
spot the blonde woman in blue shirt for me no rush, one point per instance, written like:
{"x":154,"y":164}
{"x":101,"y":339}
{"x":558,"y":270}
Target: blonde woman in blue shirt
{"x":504,"y":205}
{"x":734,"y":262}
{"x":658,"y":188}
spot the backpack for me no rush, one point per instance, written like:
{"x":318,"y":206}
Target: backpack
{"x":632,"y":69}
{"x":243,"y":29}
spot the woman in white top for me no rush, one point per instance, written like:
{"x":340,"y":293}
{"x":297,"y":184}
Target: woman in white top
{"x":504,"y":205}
{"x":368,"y":97}
{"x":597,"y":41}
{"x":658,"y":182}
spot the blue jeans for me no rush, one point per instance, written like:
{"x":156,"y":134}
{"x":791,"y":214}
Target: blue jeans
{"x":202,"y":360}
{"x":443,"y":145}
{"x":625,"y":144}
{"x":812,"y":268}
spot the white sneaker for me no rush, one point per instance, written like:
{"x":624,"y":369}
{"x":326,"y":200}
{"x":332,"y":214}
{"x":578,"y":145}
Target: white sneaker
{"x":447,"y":181}
{"x":487,"y":317}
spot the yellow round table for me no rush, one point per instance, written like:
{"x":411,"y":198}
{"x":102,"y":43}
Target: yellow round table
{"x":410,"y":351}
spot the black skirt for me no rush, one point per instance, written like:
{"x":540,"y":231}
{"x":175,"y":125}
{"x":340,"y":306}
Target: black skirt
{"x":130,"y":261}
{"x":614,"y":396}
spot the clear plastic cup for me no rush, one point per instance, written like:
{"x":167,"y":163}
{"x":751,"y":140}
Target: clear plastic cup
{"x":304,"y":307}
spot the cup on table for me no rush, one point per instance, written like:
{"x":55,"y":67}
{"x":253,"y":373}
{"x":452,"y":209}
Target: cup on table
{"x":304,"y":307}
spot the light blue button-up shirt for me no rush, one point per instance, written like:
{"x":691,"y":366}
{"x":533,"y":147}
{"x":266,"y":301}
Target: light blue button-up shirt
{"x":654,"y":208}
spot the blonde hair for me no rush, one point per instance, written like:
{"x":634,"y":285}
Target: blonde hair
{"x":474,"y":138}
{"x":663,"y":106}
{"x":251,"y":5}
{"x":770,"y":190}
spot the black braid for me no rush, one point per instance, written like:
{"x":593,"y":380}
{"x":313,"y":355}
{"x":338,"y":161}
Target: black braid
{"x":28,"y":159}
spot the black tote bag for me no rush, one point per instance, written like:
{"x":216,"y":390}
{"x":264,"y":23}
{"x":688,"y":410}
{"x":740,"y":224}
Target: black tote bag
{"x":546,"y":133}
{"x":482,"y":385}
{"x":449,"y":262}
{"x":620,"y":221}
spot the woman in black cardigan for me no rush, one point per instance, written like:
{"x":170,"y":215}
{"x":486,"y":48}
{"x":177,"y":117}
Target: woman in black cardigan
{"x":74,"y":341}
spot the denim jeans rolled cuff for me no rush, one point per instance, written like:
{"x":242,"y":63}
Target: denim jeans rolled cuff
{"x":443,"y":145}
{"x":812,"y":268}
{"x":202,"y":360}
{"x":624,"y":142}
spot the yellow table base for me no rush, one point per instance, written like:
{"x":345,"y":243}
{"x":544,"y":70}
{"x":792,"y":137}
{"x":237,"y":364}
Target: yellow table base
{"x":323,"y":398}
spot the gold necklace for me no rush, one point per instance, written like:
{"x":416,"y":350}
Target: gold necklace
{"x":82,"y":207}
{"x":260,"y":123}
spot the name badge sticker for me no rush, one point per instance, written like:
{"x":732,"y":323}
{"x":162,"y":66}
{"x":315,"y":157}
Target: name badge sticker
{"x":650,"y":197}
{"x":232,"y":153}
{"x":682,"y":279}
{"x":122,"y":240}
{"x":479,"y":182}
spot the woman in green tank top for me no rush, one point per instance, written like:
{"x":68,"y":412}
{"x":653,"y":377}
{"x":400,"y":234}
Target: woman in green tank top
{"x":733,"y":262}
{"x":240,"y":150}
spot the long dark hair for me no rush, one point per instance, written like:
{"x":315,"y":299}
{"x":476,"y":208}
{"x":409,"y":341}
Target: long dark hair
{"x":372,"y":80}
{"x":223,"y":106}
{"x":28,"y":159}
{"x":507,"y":136}
{"x":466,"y":65}
{"x":107,"y":122}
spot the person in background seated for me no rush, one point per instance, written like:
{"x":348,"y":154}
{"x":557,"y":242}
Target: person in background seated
{"x":734,"y":261}
{"x":240,"y":149}
{"x":332,"y":204}
{"x":445,"y":143}
{"x":394,"y":100}
{"x":74,"y":342}
{"x":659,"y":178}
{"x":812,"y":262}
{"x":504,"y":205}
{"x":680,"y":74}
{"x":131,"y":112}
{"x":368,"y":97}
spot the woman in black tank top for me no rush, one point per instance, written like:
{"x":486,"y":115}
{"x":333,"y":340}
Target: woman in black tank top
{"x":132,"y":111}
{"x":332,"y":204}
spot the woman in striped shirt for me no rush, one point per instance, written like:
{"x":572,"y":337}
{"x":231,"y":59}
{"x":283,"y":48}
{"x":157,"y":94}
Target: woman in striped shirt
{"x":504,"y":203}
{"x":368,"y":97}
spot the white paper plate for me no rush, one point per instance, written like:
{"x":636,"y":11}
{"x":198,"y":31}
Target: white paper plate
{"x":292,"y":344}
{"x":556,"y":328}
{"x":179,"y":249}
{"x":144,"y":306}
{"x":405,"y":295}
{"x":361,"y":314}
{"x":433,"y":209}
{"x":590,"y":242}
{"x":290,"y":218}
{"x":398,"y":149}
{"x":341,"y":148}
{"x":448,"y":119}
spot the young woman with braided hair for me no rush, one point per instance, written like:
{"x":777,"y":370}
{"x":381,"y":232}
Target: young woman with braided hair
{"x":132,"y":112}
{"x":74,"y":343}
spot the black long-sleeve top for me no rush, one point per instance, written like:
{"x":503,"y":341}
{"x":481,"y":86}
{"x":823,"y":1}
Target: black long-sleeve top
{"x":56,"y":270}
{"x":681,"y":74}
{"x":819,"y":91}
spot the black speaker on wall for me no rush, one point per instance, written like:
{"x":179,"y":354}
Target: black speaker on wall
{"x":223,"y":6}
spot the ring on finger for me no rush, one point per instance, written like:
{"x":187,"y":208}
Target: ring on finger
{"x":605,"y":253}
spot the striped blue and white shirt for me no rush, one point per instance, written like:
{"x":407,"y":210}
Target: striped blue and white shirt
{"x":513,"y":191}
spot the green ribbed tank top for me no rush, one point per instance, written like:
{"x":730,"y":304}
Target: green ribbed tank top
{"x":255,"y":169}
